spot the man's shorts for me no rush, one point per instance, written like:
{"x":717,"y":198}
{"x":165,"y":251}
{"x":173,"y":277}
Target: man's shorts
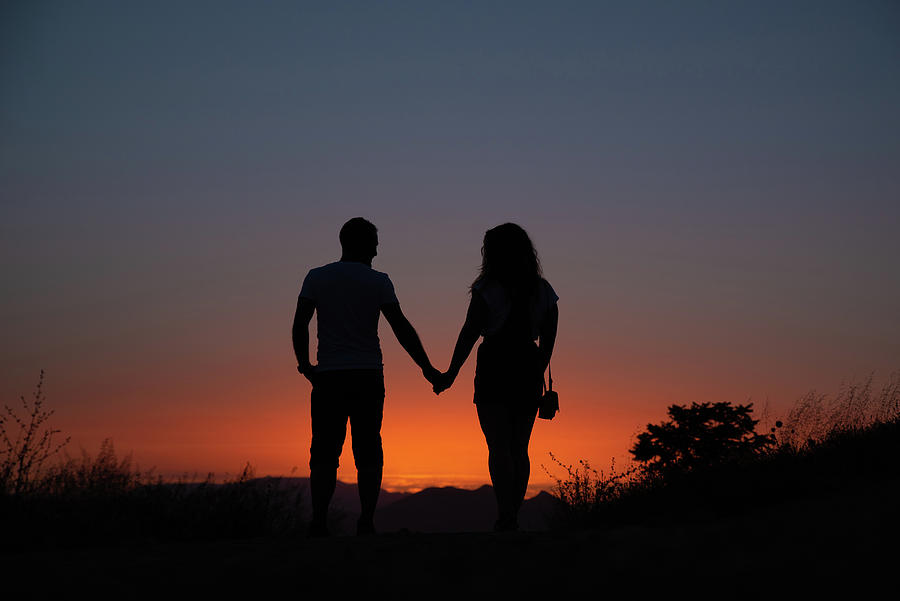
{"x":354,"y":394}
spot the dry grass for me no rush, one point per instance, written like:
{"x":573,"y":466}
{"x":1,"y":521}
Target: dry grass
{"x":105,"y":498}
{"x":102,"y":499}
{"x":856,"y":406}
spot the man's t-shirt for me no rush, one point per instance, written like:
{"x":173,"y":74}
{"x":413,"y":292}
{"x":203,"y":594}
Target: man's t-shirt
{"x":348,"y":297}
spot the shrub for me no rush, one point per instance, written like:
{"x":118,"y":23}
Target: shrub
{"x":700,"y":436}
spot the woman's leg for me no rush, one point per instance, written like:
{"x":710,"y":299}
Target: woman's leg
{"x":497,"y":428}
{"x":522,"y":426}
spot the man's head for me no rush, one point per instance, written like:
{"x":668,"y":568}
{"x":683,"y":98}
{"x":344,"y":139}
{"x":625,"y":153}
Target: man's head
{"x":359,"y":240}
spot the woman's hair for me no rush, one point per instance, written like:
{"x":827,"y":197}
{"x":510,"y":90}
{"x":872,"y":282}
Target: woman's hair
{"x":509,"y":257}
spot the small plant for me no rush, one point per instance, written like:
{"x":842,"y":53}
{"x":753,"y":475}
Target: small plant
{"x":586,"y":490}
{"x":27,"y":443}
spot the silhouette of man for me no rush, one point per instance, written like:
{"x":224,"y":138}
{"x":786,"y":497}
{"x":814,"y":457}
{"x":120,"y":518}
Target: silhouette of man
{"x":348,"y":297}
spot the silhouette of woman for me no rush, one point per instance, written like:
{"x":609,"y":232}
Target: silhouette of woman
{"x":511,"y":305}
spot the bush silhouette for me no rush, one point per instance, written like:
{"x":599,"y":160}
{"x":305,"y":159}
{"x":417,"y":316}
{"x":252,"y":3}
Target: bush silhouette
{"x":699,"y":436}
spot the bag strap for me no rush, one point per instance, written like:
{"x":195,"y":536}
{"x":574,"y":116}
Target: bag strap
{"x":549,"y":377}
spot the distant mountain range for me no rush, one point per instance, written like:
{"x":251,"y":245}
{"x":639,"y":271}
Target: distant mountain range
{"x":450,"y":509}
{"x":437,"y":509}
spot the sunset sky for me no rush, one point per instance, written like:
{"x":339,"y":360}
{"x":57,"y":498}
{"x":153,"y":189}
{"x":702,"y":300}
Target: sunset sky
{"x":713,"y":188}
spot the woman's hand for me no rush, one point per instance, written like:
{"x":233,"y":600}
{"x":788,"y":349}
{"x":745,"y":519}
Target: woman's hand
{"x":431,"y":374}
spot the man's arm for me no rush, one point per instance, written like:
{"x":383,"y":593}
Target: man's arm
{"x":409,"y":339}
{"x":300,"y":334}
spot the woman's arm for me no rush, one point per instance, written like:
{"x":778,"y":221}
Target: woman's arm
{"x":547,"y":336}
{"x":468,"y":336}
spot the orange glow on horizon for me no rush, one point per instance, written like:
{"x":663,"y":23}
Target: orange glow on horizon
{"x":186,"y":415}
{"x":428,"y":440}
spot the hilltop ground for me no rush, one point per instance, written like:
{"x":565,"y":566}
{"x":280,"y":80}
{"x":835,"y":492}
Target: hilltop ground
{"x":843,"y":542}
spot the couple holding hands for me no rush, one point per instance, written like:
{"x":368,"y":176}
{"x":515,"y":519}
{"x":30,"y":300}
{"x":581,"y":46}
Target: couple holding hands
{"x":511,"y":306}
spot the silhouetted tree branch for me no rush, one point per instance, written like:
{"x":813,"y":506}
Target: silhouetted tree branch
{"x":24,"y":451}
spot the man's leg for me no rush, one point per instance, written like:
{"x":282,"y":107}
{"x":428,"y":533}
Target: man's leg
{"x":365,"y":428}
{"x":329,"y":428}
{"x":322,"y":483}
{"x":369,"y":488}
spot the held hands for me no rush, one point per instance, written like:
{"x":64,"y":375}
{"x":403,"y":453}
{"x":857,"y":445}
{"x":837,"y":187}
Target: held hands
{"x":443,"y":382}
{"x":431,"y":374}
{"x":439,"y":381}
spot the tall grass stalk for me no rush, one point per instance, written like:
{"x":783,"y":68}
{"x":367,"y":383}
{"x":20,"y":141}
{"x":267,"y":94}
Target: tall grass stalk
{"x":856,"y":406}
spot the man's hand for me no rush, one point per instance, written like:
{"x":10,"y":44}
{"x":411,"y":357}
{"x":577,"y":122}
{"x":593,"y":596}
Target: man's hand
{"x":308,"y":370}
{"x":300,"y":335}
